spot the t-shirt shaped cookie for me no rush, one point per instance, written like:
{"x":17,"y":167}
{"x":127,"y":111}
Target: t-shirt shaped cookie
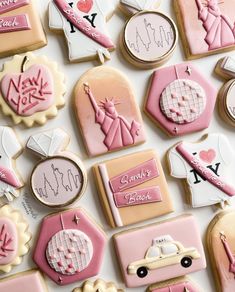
{"x":106,"y":111}
{"x":20,"y":27}
{"x":206,"y":167}
{"x":206,"y":26}
{"x":180,"y":99}
{"x":83,"y":23}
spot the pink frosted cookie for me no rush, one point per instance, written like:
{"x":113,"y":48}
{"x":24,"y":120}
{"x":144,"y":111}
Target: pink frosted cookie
{"x":221,"y":246}
{"x":207,"y":27}
{"x":31,"y":89}
{"x":24,"y":282}
{"x":205,"y":166}
{"x":10,"y":181}
{"x":226,"y":105}
{"x":182,"y":284}
{"x":59,"y":179}
{"x":180,"y":100}
{"x":14,"y":238}
{"x":133,"y":188}
{"x":20,"y":27}
{"x":149,"y":37}
{"x":160,"y":251}
{"x":109,"y":117}
{"x":83,"y":23}
{"x":70,"y":247}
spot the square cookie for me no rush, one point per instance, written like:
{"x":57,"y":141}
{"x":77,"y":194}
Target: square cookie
{"x":160,"y":251}
{"x":206,"y":27}
{"x":20,"y":27}
{"x":24,"y":282}
{"x":132,"y":188}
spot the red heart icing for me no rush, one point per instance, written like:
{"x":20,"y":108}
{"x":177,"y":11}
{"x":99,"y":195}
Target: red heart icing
{"x":208,"y":156}
{"x":29,"y":92}
{"x":85,"y":5}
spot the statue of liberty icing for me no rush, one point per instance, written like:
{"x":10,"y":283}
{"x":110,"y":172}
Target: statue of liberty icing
{"x":117,"y":130}
{"x":220,"y":30}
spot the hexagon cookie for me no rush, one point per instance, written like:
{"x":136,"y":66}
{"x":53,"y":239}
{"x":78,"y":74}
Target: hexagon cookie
{"x":180,"y":100}
{"x":70,"y":247}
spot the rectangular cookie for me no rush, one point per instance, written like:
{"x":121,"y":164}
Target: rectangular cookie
{"x":132,"y":188}
{"x":160,"y":251}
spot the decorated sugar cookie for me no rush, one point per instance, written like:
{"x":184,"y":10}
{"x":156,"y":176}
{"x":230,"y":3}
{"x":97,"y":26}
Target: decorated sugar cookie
{"x":132,"y":188}
{"x":59,"y":179}
{"x":160,"y":251}
{"x":205,"y":167}
{"x":10,"y":181}
{"x":182,"y":284}
{"x":226,"y":69}
{"x":31,"y":89}
{"x":25,"y":281}
{"x":109,"y":109}
{"x":206,"y":26}
{"x":221,"y":247}
{"x":83,"y":23}
{"x":98,"y":285}
{"x":14,"y":238}
{"x":20,"y":27}
{"x":149,"y":37}
{"x":70,"y":247}
{"x":180,"y":100}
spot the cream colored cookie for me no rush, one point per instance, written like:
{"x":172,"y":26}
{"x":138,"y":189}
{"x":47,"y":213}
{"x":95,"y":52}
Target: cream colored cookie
{"x":98,"y":285}
{"x":24,"y":282}
{"x":221,"y":247}
{"x":182,"y":284}
{"x":132,"y":188}
{"x":109,"y":117}
{"x":21,"y":29}
{"x":31,"y":89}
{"x":14,"y":238}
{"x":225,"y":68}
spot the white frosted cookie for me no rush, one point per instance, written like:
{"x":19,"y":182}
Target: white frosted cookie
{"x":84,"y":25}
{"x":98,"y":285}
{"x":31,"y":89}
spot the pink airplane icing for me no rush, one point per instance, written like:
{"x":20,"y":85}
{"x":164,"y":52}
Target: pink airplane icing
{"x":29,"y":92}
{"x":82,"y":25}
{"x":8,"y":5}
{"x":8,"y":241}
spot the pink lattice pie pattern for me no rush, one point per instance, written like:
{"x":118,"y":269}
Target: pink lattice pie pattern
{"x":180,"y":100}
{"x":70,"y":247}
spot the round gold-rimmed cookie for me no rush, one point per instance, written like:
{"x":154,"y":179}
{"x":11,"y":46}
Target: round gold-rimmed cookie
{"x":31,"y":89}
{"x":59,"y":178}
{"x":14,"y":238}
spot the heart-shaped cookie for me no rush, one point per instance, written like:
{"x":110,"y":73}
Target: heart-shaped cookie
{"x":207,"y":156}
{"x":85,"y":5}
{"x":29,"y":92}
